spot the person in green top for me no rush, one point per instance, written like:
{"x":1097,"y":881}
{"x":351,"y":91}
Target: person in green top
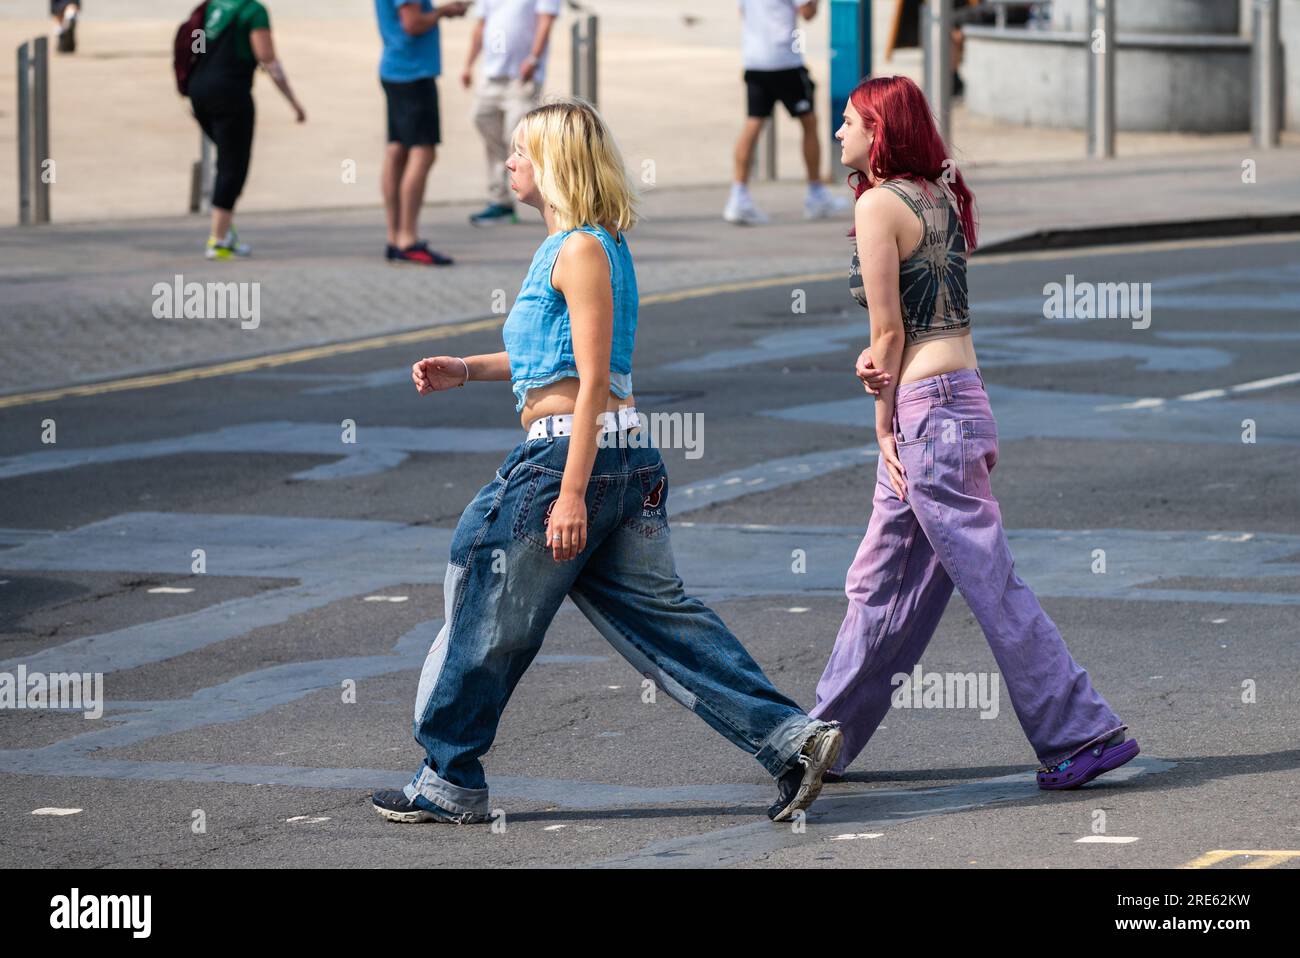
{"x":236,"y":40}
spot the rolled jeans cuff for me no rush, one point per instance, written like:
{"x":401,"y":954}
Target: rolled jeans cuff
{"x":780,"y":749}
{"x":467,"y":804}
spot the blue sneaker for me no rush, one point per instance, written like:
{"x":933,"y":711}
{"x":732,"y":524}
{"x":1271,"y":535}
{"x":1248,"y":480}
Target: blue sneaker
{"x":494,"y":213}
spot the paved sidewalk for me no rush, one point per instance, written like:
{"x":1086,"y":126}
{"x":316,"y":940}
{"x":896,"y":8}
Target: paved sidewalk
{"x":670,"y":86}
{"x":78,"y":299}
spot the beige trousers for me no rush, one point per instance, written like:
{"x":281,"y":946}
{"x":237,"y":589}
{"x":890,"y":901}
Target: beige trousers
{"x":499,"y":102}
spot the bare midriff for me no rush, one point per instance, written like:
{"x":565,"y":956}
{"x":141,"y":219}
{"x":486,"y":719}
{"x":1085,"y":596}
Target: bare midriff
{"x":935,"y":356}
{"x":560,"y":398}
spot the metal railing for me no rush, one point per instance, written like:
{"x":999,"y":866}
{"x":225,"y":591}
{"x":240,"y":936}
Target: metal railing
{"x":35,"y":170}
{"x":1101,"y":47}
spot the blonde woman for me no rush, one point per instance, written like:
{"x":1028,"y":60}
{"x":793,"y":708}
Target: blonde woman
{"x":579,"y":508}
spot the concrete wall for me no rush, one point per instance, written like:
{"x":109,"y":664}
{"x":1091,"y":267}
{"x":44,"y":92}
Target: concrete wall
{"x":1159,"y":87}
{"x":1155,"y":16}
{"x":1290,"y":28}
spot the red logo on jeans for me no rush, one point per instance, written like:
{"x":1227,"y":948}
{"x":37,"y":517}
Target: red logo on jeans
{"x":656,"y":495}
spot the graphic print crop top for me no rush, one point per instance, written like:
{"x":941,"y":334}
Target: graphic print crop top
{"x":932,"y":280}
{"x":537,"y":335}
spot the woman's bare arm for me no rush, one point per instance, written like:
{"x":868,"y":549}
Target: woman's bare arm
{"x":489,"y":366}
{"x":877,"y":221}
{"x":581,"y":274}
{"x":264,"y":51}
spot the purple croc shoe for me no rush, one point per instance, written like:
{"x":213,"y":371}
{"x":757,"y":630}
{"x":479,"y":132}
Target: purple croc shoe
{"x":1083,"y":767}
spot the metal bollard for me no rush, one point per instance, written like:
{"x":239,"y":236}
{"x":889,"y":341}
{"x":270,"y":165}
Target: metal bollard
{"x":583,"y":53}
{"x":33,"y":114}
{"x":41,"y":125}
{"x":769,"y":147}
{"x":936,"y":44}
{"x":24,"y":138}
{"x":1265,"y":75}
{"x":1100,"y":44}
{"x":202,"y":176}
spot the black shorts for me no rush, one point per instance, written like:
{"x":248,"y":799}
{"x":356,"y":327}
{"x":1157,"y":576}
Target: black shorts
{"x":792,"y":87}
{"x":413,"y":112}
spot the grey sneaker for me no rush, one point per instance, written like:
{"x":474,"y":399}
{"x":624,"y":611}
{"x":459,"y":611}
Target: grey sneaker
{"x":799,"y":787}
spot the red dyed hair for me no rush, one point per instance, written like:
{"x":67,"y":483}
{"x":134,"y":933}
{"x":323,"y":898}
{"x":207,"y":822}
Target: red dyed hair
{"x":907,"y":144}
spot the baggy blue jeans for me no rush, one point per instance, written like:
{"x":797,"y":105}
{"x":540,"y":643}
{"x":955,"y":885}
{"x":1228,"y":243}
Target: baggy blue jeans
{"x":503,"y":588}
{"x":949,"y":531}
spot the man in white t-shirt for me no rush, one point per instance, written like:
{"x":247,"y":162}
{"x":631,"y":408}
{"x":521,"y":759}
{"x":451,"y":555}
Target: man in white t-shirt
{"x":773,"y":46}
{"x":513,"y":36}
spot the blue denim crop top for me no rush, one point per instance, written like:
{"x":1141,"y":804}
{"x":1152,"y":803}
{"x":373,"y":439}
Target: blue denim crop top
{"x":537,"y":335}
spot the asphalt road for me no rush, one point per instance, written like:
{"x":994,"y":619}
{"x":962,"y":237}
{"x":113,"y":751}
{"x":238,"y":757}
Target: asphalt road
{"x":229,"y":704}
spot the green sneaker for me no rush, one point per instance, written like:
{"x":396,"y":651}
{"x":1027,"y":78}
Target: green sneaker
{"x":228,"y":248}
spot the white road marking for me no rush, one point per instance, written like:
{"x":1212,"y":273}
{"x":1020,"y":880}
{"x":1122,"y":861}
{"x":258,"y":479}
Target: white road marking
{"x":797,"y":608}
{"x":1254,"y":385}
{"x":169,"y":590}
{"x":554,"y":828}
{"x":385,"y":598}
{"x":852,"y":836}
{"x":309,"y":821}
{"x":56,"y":811}
{"x":1105,"y":840}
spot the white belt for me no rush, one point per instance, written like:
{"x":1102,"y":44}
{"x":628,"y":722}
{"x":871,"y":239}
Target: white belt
{"x":562,"y":424}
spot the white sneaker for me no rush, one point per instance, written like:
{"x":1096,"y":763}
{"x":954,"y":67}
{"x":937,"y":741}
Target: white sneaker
{"x":742,"y":211}
{"x":824,"y":204}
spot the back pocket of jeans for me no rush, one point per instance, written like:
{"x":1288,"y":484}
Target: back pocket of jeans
{"x":651,"y":519}
{"x":979,"y":454}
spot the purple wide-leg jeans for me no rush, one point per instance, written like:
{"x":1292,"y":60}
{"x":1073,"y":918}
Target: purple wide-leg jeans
{"x":949,"y":531}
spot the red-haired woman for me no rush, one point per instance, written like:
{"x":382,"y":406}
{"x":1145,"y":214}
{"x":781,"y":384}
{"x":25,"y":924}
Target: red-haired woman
{"x":934,"y":521}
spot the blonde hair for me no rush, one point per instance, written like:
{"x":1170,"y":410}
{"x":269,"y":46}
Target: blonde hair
{"x":577,"y":165}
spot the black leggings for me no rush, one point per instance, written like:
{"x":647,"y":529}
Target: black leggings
{"x":228,"y":122}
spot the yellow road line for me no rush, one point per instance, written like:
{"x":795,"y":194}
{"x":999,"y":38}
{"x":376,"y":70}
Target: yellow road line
{"x":257,"y":362}
{"x":455,"y":329}
{"x":1267,"y":858}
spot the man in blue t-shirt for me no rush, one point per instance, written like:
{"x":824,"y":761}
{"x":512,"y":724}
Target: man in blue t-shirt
{"x":408,"y":71}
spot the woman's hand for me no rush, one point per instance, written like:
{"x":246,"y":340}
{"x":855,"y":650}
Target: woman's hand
{"x":889,"y":452}
{"x":439,"y":372}
{"x":873,"y":379}
{"x":566,"y":526}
